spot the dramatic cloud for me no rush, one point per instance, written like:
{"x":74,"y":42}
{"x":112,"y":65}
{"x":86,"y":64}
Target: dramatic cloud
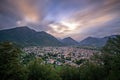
{"x":63,"y":18}
{"x":89,"y":19}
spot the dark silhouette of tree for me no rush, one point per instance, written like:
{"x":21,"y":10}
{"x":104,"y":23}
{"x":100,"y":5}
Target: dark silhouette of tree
{"x":111,"y":58}
{"x":10,"y":66}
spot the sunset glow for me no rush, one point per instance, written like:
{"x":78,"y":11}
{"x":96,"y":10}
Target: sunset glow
{"x":75,"y":18}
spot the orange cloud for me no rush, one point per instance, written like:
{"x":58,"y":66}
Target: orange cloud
{"x":28,"y":10}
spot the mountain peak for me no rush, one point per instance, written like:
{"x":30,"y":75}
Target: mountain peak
{"x":93,"y":41}
{"x":22,"y":27}
{"x":90,"y":37}
{"x":43,"y":32}
{"x":28,"y":37}
{"x":69,"y":41}
{"x":68,"y":38}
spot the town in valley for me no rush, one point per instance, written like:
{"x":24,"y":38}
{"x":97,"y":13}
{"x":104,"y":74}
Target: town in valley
{"x":72,"y":56}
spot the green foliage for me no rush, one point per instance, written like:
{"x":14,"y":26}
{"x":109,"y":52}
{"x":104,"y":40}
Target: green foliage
{"x":112,"y":46}
{"x":17,"y":66}
{"x":91,"y":71}
{"x":39,"y":71}
{"x":111,"y":58}
{"x":80,"y":61}
{"x":26,"y":58}
{"x":69,"y":73}
{"x":10,"y":67}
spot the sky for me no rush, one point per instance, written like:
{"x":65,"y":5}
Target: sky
{"x":63,"y":18}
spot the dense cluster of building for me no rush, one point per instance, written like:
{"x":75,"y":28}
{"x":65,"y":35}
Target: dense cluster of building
{"x":61,"y":55}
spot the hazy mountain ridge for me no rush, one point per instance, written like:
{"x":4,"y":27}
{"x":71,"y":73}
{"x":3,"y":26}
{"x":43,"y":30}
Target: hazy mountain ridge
{"x":93,"y":41}
{"x":28,"y":37}
{"x":69,"y":41}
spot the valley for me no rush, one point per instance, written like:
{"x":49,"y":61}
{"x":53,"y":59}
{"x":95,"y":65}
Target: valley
{"x":73,"y":56}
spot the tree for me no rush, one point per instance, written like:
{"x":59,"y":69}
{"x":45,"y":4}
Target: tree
{"x":111,"y":58}
{"x":91,"y":71}
{"x":27,"y":57}
{"x":10,"y":67}
{"x":112,"y":46}
{"x":78,"y":62}
{"x":39,"y":71}
{"x":69,"y":73}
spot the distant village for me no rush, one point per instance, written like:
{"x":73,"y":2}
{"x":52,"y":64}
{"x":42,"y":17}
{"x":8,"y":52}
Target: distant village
{"x":73,"y":56}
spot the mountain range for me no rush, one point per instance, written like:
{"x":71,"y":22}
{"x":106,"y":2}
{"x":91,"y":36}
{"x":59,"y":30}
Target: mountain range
{"x":96,"y":42}
{"x":28,"y":37}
